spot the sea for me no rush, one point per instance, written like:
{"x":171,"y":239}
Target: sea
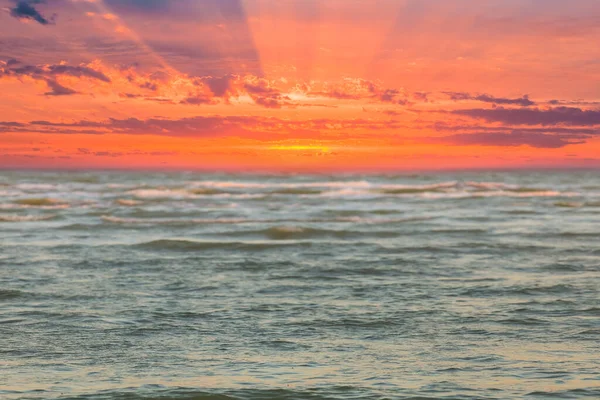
{"x":192,"y":285}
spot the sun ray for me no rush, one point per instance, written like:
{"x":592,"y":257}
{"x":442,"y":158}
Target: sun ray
{"x":122,"y":29}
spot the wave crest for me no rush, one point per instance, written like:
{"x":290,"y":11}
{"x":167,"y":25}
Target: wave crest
{"x":26,"y":218}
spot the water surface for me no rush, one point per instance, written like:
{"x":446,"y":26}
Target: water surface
{"x":196,"y":286}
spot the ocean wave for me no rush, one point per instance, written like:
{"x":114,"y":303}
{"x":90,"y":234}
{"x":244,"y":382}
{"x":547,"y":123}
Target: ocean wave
{"x":410,"y":189}
{"x":38,"y":187}
{"x":491,"y":194}
{"x":587,"y":393}
{"x":36,"y":202}
{"x":282,"y":185}
{"x":156,"y":392}
{"x":184,"y":245}
{"x":443,"y":191}
{"x":229,"y":221}
{"x":207,"y":192}
{"x":154,"y":194}
{"x":488,"y":185}
{"x":128,"y":203}
{"x":251,"y":190}
{"x":349,"y":192}
{"x":188,"y":194}
{"x":11,"y":193}
{"x":298,"y":233}
{"x":525,"y":193}
{"x":173,"y":221}
{"x":25,"y":218}
{"x":7,"y":294}
{"x":40,"y":202}
{"x":296,"y":191}
{"x":230,"y":184}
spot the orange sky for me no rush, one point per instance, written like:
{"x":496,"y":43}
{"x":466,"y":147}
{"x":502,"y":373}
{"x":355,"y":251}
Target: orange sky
{"x":312,"y":85}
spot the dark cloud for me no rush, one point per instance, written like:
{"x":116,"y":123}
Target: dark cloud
{"x":268,"y":102}
{"x":56,"y":89}
{"x":389,"y":95}
{"x":212,"y":126}
{"x":107,"y":154}
{"x":24,"y":70}
{"x":193,"y":126}
{"x":553,"y":116}
{"x":77,"y":71}
{"x":421,"y":96}
{"x":444,"y":126}
{"x":130,"y":95}
{"x":146,"y":5}
{"x":197,"y":100}
{"x":11,"y":124}
{"x":229,"y":10}
{"x":573,"y":103}
{"x":12,"y":61}
{"x":260,"y":88}
{"x":49,"y":73}
{"x":219,"y":86}
{"x":486,"y":98}
{"x":523,"y":101}
{"x":513,"y":139}
{"x":266,"y":96}
{"x":149,"y":85}
{"x":24,"y":9}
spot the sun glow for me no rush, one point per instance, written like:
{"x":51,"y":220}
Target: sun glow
{"x":313,"y":148}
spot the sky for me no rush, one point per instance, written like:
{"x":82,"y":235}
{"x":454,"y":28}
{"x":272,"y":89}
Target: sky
{"x":299,"y":85}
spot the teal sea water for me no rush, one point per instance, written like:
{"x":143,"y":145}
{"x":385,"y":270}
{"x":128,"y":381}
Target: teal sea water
{"x":196,"y":286}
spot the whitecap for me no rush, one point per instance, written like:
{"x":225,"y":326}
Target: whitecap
{"x":25,"y":218}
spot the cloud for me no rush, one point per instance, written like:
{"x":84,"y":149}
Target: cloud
{"x":25,"y":10}
{"x":49,"y":74}
{"x":254,"y":127}
{"x":552,"y":116}
{"x":146,"y":5}
{"x":336,"y":94}
{"x":547,"y":137}
{"x":486,"y":98}
{"x":56,"y":89}
{"x":361,"y":89}
{"x":219,"y":86}
{"x":76,"y":71}
{"x":12,"y":61}
{"x":197,"y":100}
{"x":369,"y":91}
{"x":513,"y":139}
{"x":11,"y":124}
{"x":445,"y":126}
{"x":263,"y":94}
{"x":193,"y":126}
{"x":88,"y":152}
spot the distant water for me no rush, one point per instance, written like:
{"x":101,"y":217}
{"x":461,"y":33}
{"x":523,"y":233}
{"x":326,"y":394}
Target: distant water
{"x":194,"y":286}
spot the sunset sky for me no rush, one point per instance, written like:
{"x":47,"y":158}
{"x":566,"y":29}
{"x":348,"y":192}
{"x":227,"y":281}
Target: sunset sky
{"x":309,"y":85}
